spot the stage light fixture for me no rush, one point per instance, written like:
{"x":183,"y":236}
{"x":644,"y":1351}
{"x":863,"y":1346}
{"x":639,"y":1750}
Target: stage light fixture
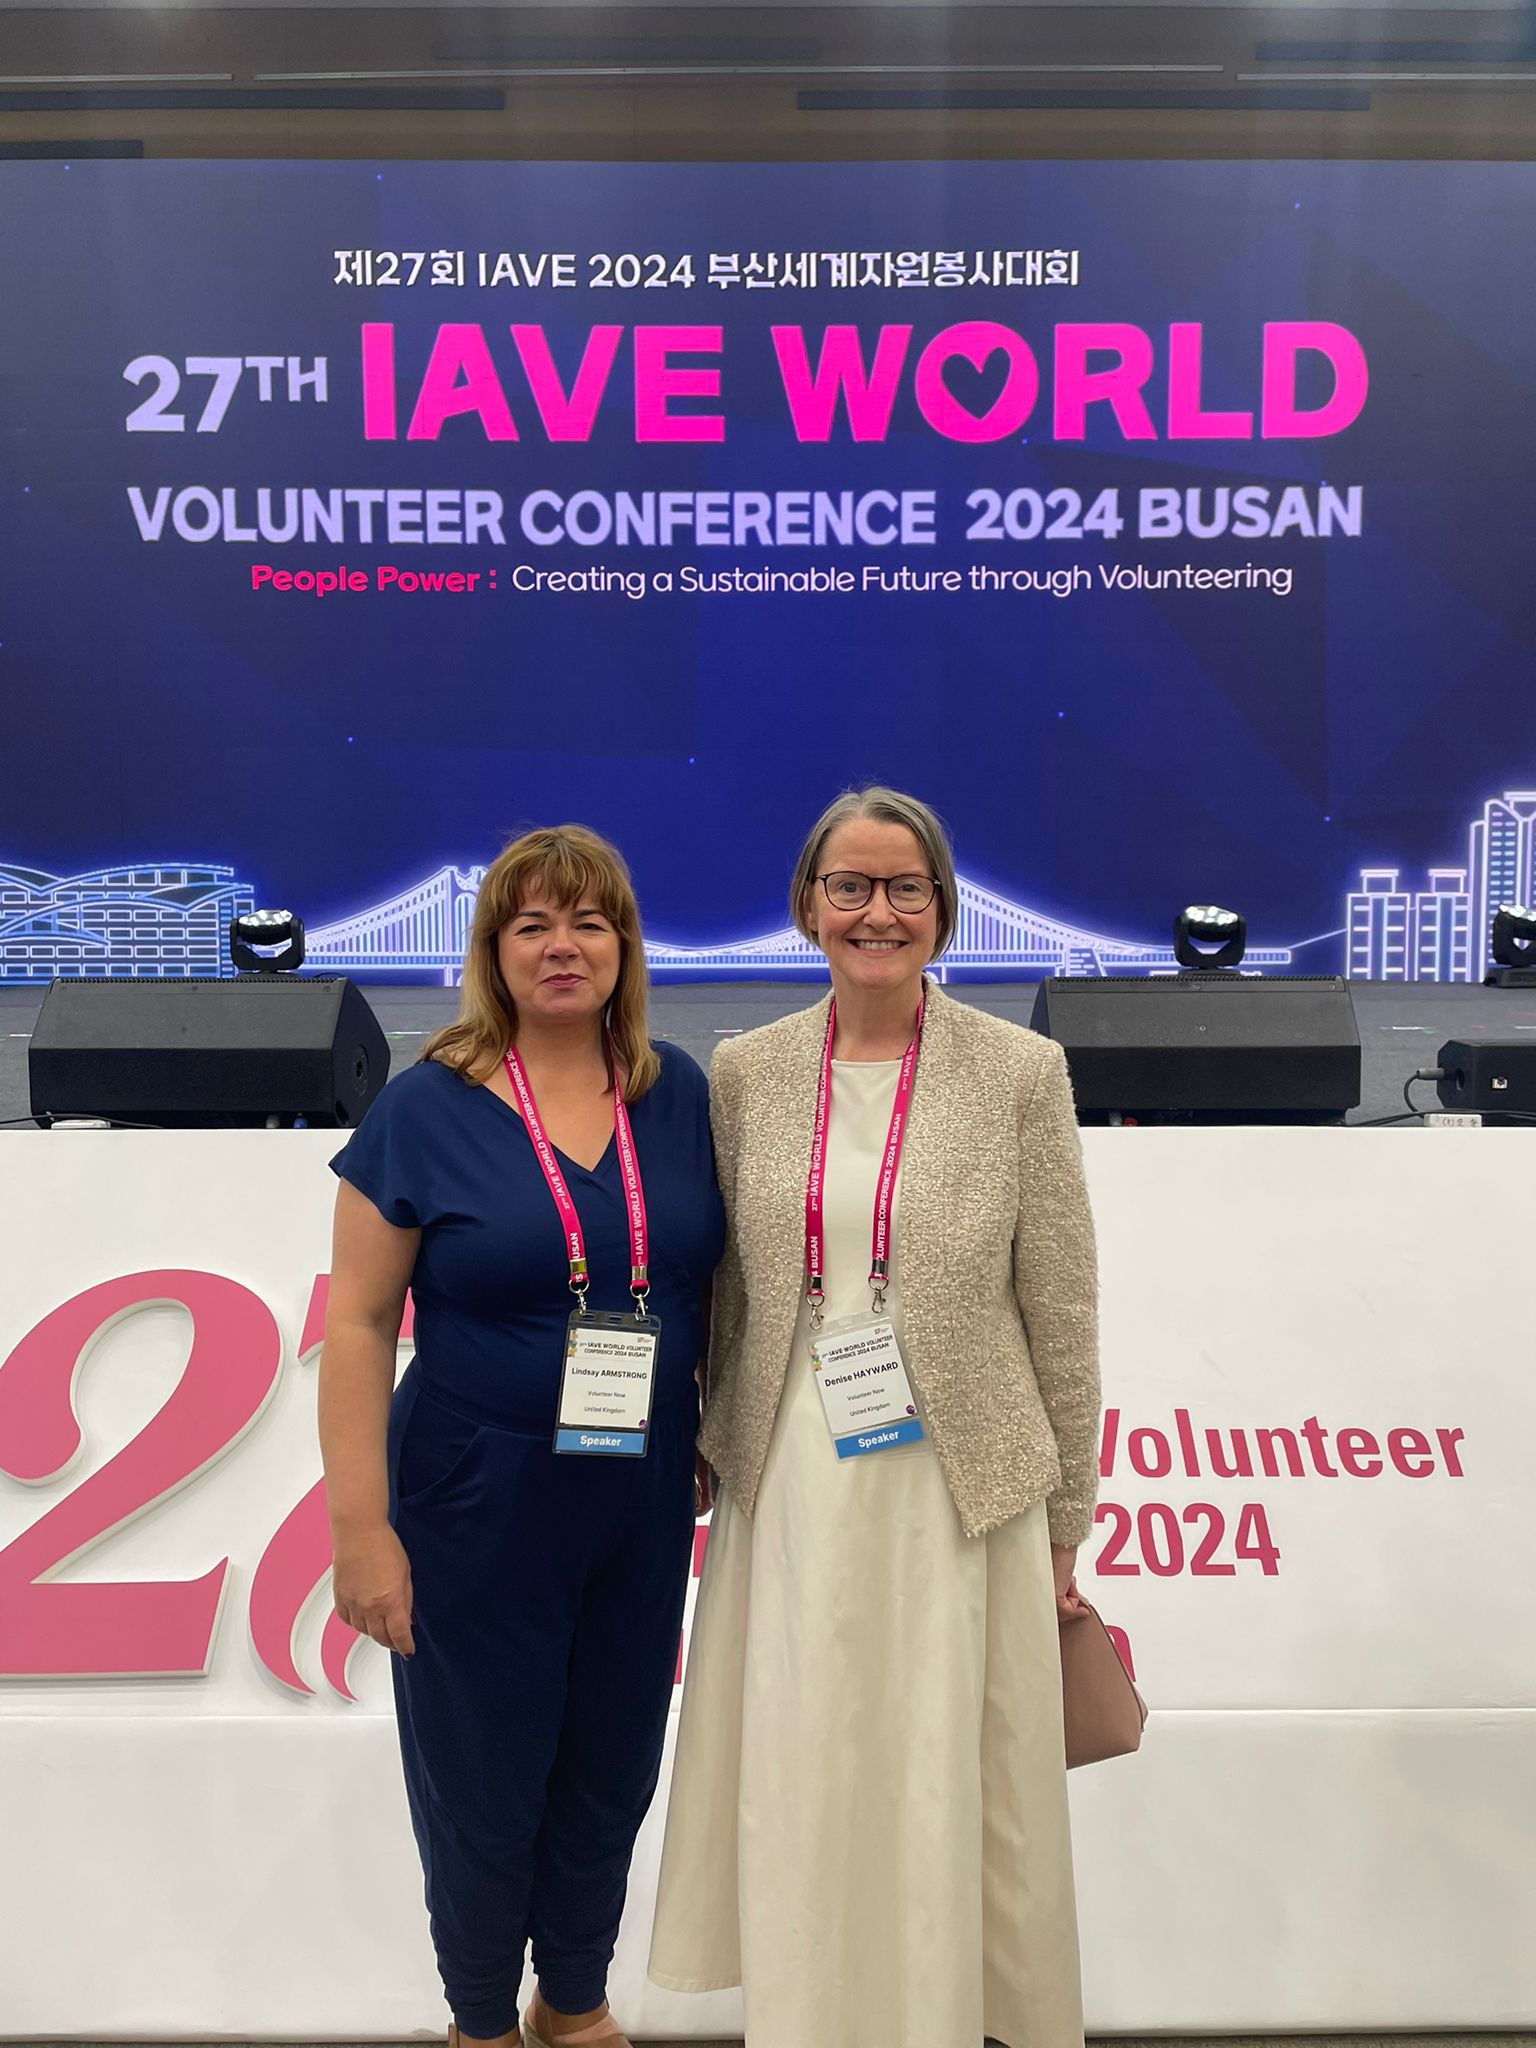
{"x":1207,"y":924}
{"x":1514,"y":948}
{"x":266,"y":942}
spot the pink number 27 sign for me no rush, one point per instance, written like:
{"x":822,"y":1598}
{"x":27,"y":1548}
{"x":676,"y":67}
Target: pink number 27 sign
{"x":66,"y":1628}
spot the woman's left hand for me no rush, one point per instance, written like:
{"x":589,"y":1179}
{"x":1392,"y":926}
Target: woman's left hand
{"x":703,"y":1485}
{"x":1070,"y":1604}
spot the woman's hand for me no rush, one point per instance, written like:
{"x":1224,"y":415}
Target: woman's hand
{"x":1070,"y":1604}
{"x":371,"y":1586}
{"x":703,"y":1485}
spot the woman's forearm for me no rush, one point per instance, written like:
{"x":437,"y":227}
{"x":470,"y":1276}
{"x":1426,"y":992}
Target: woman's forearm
{"x":357,"y":1381}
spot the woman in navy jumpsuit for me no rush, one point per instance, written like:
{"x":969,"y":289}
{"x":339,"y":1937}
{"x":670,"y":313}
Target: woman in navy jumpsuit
{"x":534,"y":1600}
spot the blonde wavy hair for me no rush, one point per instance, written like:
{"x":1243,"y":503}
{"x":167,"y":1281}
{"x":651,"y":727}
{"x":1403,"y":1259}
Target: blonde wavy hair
{"x":568,"y":865}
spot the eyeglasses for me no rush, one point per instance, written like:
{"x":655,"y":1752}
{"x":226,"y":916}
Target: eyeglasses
{"x":846,"y":890}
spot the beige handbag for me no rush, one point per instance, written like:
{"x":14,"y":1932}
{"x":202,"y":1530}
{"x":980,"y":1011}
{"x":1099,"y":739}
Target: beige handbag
{"x":1103,"y":1711}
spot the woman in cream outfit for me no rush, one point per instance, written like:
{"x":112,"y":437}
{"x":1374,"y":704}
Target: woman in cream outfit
{"x":868,"y":1825}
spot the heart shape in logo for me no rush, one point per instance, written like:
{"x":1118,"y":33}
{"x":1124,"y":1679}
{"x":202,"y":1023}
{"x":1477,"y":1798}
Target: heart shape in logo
{"x":977,"y":386}
{"x":960,"y":364}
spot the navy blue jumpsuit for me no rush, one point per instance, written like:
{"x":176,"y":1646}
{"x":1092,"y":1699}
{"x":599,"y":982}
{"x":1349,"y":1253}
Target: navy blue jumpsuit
{"x":548,"y":1591}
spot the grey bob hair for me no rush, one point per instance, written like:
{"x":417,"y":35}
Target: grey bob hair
{"x":885,"y":807}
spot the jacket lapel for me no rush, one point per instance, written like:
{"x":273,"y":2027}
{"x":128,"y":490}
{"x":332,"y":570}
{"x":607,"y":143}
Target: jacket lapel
{"x":787,"y":1105}
{"x":922,"y":1225}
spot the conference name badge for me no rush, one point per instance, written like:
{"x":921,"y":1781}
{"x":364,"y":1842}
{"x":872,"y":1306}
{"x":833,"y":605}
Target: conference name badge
{"x":608,"y":1385}
{"x":865,"y":1393}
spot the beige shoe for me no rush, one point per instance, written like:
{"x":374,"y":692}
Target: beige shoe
{"x":603,"y":2033}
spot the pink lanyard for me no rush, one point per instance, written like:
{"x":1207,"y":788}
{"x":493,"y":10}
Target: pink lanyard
{"x":885,"y":1188}
{"x":629,"y":1167}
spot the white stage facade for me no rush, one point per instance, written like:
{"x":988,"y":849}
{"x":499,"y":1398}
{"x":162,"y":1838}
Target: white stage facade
{"x":1315,"y":1536}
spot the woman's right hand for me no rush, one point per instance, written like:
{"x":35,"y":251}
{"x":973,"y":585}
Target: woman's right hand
{"x":371,"y":1586}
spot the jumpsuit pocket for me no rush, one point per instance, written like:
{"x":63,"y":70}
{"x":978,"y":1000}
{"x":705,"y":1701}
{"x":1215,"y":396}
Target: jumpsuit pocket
{"x":432,"y":1449}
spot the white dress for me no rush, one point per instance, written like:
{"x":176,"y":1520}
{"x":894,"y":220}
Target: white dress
{"x":868,"y":1822}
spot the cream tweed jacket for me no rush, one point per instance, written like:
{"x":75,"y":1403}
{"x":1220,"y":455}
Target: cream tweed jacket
{"x":995,"y":1245}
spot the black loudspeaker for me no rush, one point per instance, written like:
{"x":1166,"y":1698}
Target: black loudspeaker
{"x":1494,"y":1076}
{"x":201,"y":1054}
{"x":1206,"y":1047}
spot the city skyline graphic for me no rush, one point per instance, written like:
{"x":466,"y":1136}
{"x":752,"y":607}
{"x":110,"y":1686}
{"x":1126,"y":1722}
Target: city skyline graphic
{"x":143,"y":920}
{"x":1395,"y":933}
{"x":169,"y":920}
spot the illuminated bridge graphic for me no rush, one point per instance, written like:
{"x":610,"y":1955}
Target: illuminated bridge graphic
{"x":424,"y":930}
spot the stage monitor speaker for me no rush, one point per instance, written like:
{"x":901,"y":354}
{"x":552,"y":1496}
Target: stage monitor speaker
{"x":1207,"y":1047}
{"x":200,"y":1054}
{"x":1496,"y":1077}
